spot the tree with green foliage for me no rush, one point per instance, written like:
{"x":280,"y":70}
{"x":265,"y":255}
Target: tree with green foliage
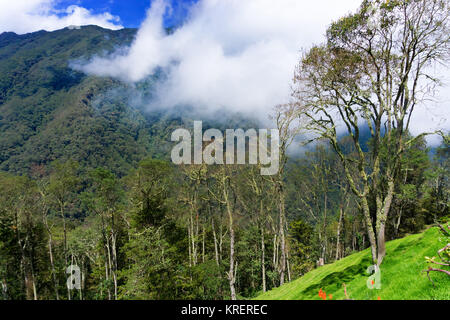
{"x":63,"y":184}
{"x":373,"y":71}
{"x":151,"y":251}
{"x":21,"y":238}
{"x":106,"y":201}
{"x":301,"y":237}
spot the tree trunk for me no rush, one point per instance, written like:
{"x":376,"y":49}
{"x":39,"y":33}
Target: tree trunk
{"x":325,"y":240}
{"x":282,"y":235}
{"x":50,"y":252}
{"x":341,"y":216}
{"x":397,"y":223}
{"x":82,"y":280}
{"x":203,"y":245}
{"x":114,"y":263}
{"x":381,"y":223}
{"x":288,"y":268}
{"x":4,"y":289}
{"x":109,"y":263}
{"x":33,"y":280}
{"x":220,"y":242}
{"x":370,"y":231}
{"x":61,"y":205}
{"x":193,"y":242}
{"x":189,"y":244}
{"x":114,"y":254}
{"x":263,"y":266}
{"x":216,"y":251}
{"x":107,"y":255}
{"x":232,"y":271}
{"x":275,"y":251}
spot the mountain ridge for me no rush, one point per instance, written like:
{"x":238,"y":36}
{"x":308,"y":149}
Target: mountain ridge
{"x":46,"y":107}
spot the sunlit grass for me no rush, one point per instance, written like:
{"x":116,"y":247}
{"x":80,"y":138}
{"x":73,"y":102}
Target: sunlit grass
{"x":401,"y":274}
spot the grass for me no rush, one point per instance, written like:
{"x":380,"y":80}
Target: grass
{"x":401,"y":274}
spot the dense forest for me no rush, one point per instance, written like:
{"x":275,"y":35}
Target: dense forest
{"x":163,"y":232}
{"x":86,"y":177}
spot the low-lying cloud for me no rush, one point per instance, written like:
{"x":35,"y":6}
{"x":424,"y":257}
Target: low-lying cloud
{"x":24,"y":16}
{"x":234,"y":54}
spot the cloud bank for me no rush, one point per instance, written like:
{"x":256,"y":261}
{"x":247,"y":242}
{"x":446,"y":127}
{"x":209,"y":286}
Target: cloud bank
{"x":233,"y":54}
{"x":23,"y":16}
{"x":237,"y":56}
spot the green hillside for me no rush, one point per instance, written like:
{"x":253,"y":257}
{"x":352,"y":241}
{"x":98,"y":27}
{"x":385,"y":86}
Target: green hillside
{"x":49,"y":111}
{"x":401,"y":274}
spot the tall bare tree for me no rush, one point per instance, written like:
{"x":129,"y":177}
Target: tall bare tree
{"x":374,"y":71}
{"x":288,"y":118}
{"x":224,"y":194}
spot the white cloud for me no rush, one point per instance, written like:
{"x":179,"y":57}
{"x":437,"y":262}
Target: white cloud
{"x":237,"y":55}
{"x":23,"y":16}
{"x":232,"y":54}
{"x":433,"y":114}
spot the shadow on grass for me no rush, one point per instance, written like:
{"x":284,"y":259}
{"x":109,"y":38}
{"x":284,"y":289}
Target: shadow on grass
{"x":334,"y":280}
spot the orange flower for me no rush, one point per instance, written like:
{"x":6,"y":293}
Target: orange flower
{"x":379,"y":298}
{"x":322,"y":294}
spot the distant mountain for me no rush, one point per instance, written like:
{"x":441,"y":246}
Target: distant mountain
{"x":48,"y":111}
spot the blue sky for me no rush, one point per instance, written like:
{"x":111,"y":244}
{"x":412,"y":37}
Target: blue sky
{"x":131,"y":12}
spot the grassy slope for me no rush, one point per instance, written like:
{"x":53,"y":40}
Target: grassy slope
{"x":401,"y":276}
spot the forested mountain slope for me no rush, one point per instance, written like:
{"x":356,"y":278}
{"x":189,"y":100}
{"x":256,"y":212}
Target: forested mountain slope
{"x":49,"y":111}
